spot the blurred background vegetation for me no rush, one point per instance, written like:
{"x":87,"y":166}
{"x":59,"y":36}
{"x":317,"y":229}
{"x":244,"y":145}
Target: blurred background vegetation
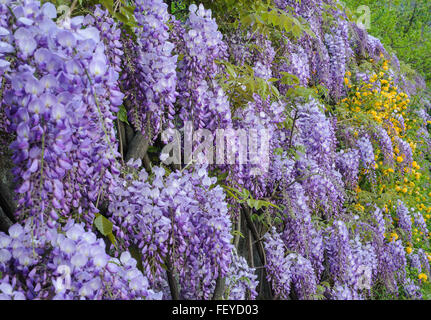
{"x":403,"y":26}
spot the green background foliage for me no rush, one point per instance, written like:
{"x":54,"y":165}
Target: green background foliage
{"x":403,"y":26}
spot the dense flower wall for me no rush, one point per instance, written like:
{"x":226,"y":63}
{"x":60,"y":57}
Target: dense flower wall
{"x":341,"y":211}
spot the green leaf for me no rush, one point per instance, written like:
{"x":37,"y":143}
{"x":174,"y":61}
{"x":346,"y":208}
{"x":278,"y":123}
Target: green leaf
{"x":126,"y":16}
{"x":232,"y":195}
{"x":237,"y":232}
{"x":247,"y":20}
{"x":289,"y":79}
{"x":122,"y":17}
{"x":122,"y":114}
{"x":222,"y":176}
{"x":254,"y":217}
{"x":111,"y":238}
{"x":296,"y":30}
{"x":278,"y":151}
{"x":129,"y":9}
{"x":108,"y":4}
{"x":230,"y":70}
{"x":153,"y":149}
{"x":259,"y":204}
{"x":245,"y":193}
{"x":103,"y":225}
{"x":251,"y":203}
{"x":309,"y":31}
{"x":137,"y":255}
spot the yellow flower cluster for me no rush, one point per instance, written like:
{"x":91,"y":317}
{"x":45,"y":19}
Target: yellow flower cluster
{"x":393,"y":237}
{"x":378,"y":102}
{"x":423,"y":276}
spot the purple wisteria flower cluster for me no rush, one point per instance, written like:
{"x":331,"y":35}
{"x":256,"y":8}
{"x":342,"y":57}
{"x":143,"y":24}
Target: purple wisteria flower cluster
{"x":176,"y":219}
{"x":277,"y":267}
{"x":149,"y":75}
{"x":291,"y":275}
{"x":242,"y":280}
{"x":66,"y":265}
{"x":60,"y":103}
{"x":385,"y":143}
{"x":316,"y":167}
{"x":168,"y":230}
{"x":404,"y":219}
{"x":201,"y":98}
{"x":366,"y":152}
{"x":260,"y":120}
{"x":347,"y":163}
{"x":339,"y":52}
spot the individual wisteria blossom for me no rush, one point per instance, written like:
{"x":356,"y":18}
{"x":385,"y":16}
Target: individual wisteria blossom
{"x":6,"y":48}
{"x":6,"y":45}
{"x":379,"y":222}
{"x":316,"y":132}
{"x":66,"y":265}
{"x":415,"y":262}
{"x":343,"y":292}
{"x":362,"y":76}
{"x":132,"y":205}
{"x":110,"y":34}
{"x":63,"y":80}
{"x":264,"y":58}
{"x":298,"y":64}
{"x":322,"y":182}
{"x":411,"y":86}
{"x":236,"y":41}
{"x":241,"y":281}
{"x":393,"y":266}
{"x":308,"y":56}
{"x":358,"y":39}
{"x":323,"y":186}
{"x":321,"y":64}
{"x":150,"y":77}
{"x":425,"y":264}
{"x":423,"y":116}
{"x":425,"y":136}
{"x":391,"y":257}
{"x":282,"y":170}
{"x":374,"y":47}
{"x":366,"y":263}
